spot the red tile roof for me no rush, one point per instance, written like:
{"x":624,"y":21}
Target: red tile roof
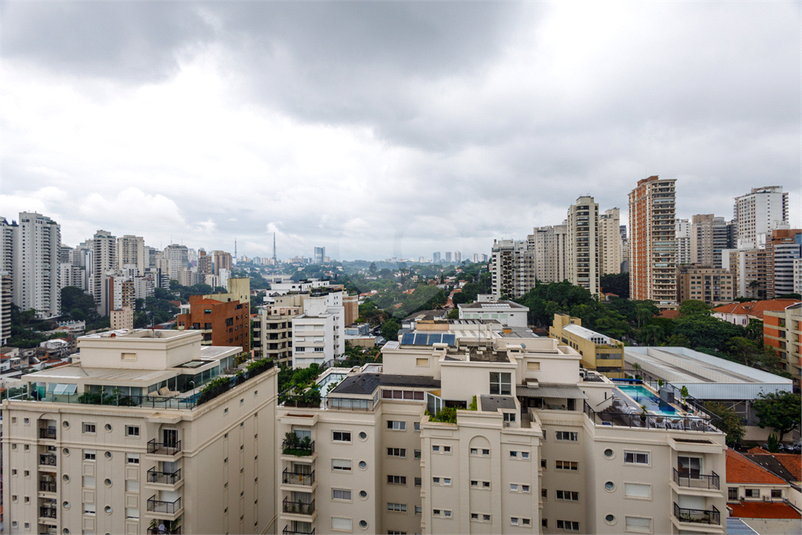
{"x":742,"y":470}
{"x":763,"y":510}
{"x":670,"y":314}
{"x":756,"y":309}
{"x":790,"y":461}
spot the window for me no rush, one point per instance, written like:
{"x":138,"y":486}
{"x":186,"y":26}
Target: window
{"x":417,"y":454}
{"x":639,"y":524}
{"x":752,"y":493}
{"x":436,"y":449}
{"x":397,"y":507}
{"x":344,"y":524}
{"x":544,"y":493}
{"x":566,"y":465}
{"x":572,"y":436}
{"x":417,"y":426}
{"x":341,"y":465}
{"x":509,"y":416}
{"x":637,"y":490}
{"x":88,"y":427}
{"x":341,"y":494}
{"x":397,"y":452}
{"x":341,"y":436}
{"x":418,"y":509}
{"x":568,"y":525}
{"x":525,"y":488}
{"x":446,"y":449}
{"x":132,"y":430}
{"x":636,"y":457}
{"x":396,"y":425}
{"x":524,"y":455}
{"x":543,"y":463}
{"x":500,"y":384}
{"x":132,"y":458}
{"x":89,"y":508}
{"x":732,"y":494}
{"x":526,"y":521}
{"x":418,"y":482}
{"x":776,"y":493}
{"x":513,"y":487}
{"x":568,"y":495}
{"x":396,"y":480}
{"x":514,"y":521}
{"x":89,"y":455}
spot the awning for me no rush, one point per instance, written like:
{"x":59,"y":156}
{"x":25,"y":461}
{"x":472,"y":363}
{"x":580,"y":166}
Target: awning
{"x":550,"y":391}
{"x":65,"y":389}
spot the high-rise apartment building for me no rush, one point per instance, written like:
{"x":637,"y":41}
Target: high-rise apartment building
{"x":710,"y":235}
{"x":783,"y":331}
{"x":714,"y":286}
{"x":122,"y":443}
{"x":610,"y":246}
{"x":457,"y":256}
{"x":177,"y":257}
{"x":318,"y":334}
{"x":435,"y":257}
{"x":104,"y":261}
{"x":783,"y":246}
{"x":751,"y":272}
{"x":683,"y":237}
{"x":222,"y":260}
{"x":583,"y":244}
{"x":448,"y":257}
{"x":512,"y":268}
{"x":36,"y":248}
{"x":652,"y":243}
{"x":550,"y":247}
{"x":757,"y":213}
{"x":5,"y":308}
{"x":131,"y":251}
{"x":205,"y":265}
{"x":319,"y":255}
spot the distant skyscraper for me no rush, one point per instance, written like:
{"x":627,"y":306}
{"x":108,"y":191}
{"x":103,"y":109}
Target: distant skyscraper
{"x":583,"y":244}
{"x":652,"y":245}
{"x":683,"y":237}
{"x":104,"y":260}
{"x":457,"y":256}
{"x":131,"y":251}
{"x":448,"y":257}
{"x":512,"y":268}
{"x":320,"y":255}
{"x":35,"y":274}
{"x":709,"y":236}
{"x":177,"y":259}
{"x":610,"y":242}
{"x":435,"y":257}
{"x":222,"y":260}
{"x":757,"y":213}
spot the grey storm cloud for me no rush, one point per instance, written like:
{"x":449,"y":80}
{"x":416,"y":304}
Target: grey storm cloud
{"x":370,"y":124}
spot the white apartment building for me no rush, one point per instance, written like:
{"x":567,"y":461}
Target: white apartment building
{"x":120,"y":443}
{"x":35,"y":245}
{"x":508,"y":313}
{"x":534,"y":446}
{"x":550,"y":245}
{"x":286,"y":286}
{"x":583,"y":244}
{"x":683,"y":237}
{"x":5,"y":308}
{"x":131,"y":250}
{"x":177,"y":257}
{"x":512,"y":267}
{"x":318,"y":333}
{"x":757,"y":213}
{"x":104,"y":262}
{"x":610,"y":245}
{"x":710,"y":235}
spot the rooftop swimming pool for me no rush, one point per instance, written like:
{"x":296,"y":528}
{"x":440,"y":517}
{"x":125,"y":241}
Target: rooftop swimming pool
{"x":643,"y":396}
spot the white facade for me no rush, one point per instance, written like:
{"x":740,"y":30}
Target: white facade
{"x":583,"y":244}
{"x":104,"y":260}
{"x":177,"y":257}
{"x":757,"y":213}
{"x":318,"y":333}
{"x":550,"y":245}
{"x":512,"y":267}
{"x":287,"y":285}
{"x":35,"y":275}
{"x":507,"y":313}
{"x":683,"y":233}
{"x":131,"y":250}
{"x":610,"y":245}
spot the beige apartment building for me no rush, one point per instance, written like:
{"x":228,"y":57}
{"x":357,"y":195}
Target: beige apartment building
{"x":598,"y":352}
{"x":118,"y":442}
{"x":712,"y":285}
{"x":533,"y":446}
{"x":583,"y":244}
{"x":610,"y":243}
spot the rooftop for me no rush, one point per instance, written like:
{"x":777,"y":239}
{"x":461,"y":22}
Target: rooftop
{"x":748,"y":509}
{"x":366,"y":383}
{"x":495,"y":305}
{"x":493,"y":403}
{"x":756,"y":308}
{"x":742,"y":470}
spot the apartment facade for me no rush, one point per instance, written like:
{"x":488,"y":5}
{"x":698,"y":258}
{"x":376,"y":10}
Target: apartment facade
{"x":5,"y":308}
{"x":652,"y":245}
{"x":177,"y":257}
{"x":272,"y":333}
{"x":550,"y":245}
{"x":36,"y":248}
{"x":683,"y":237}
{"x":782,"y":330}
{"x":526,"y":451}
{"x":583,"y":244}
{"x":783,"y":246}
{"x":751,"y":271}
{"x":610,"y":245}
{"x":318,"y":334}
{"x":222,"y":260}
{"x":712,"y":285}
{"x":104,"y":265}
{"x":222,"y":323}
{"x":757,"y":213}
{"x":599,"y":352}
{"x":138,"y":452}
{"x":710,"y":235}
{"x":512,"y":268}
{"x":131,"y":251}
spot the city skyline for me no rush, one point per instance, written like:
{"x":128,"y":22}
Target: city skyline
{"x":395,"y":129}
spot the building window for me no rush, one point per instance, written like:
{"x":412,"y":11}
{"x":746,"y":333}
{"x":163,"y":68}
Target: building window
{"x":417,"y":426}
{"x":509,"y":416}
{"x":732,"y":494}
{"x":341,"y":436}
{"x":341,"y":494}
{"x":89,"y":455}
{"x":638,"y":524}
{"x":396,"y":480}
{"x":397,"y":452}
{"x":342,"y":524}
{"x":417,"y":454}
{"x":418,"y":482}
{"x":132,"y":430}
{"x":397,"y":507}
{"x":418,"y":509}
{"x":396,"y":425}
{"x":500,"y":384}
{"x":89,"y":427}
{"x":637,"y":490}
{"x":341,"y":465}
{"x":572,"y":436}
{"x":568,"y":495}
{"x":568,"y":525}
{"x":636,"y":457}
{"x":132,"y":458}
{"x":776,"y":493}
{"x":566,"y":465}
{"x":752,"y":493}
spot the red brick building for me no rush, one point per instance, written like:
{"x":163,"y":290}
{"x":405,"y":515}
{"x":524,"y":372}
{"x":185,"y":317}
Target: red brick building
{"x":222,"y":323}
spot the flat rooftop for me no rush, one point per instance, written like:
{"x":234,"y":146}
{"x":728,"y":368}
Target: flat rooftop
{"x":494,"y":305}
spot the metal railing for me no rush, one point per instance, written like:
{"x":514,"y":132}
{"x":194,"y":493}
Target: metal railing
{"x":649,"y":421}
{"x":160,"y":506}
{"x":697,"y":516}
{"x":288,"y":531}
{"x":47,"y":512}
{"x":164,"y":448}
{"x":48,"y":433}
{"x":298,"y":478}
{"x":298,"y":508}
{"x":298,"y":449}
{"x":697,"y":481}
{"x":47,"y":459}
{"x":164,"y":478}
{"x":47,"y":486}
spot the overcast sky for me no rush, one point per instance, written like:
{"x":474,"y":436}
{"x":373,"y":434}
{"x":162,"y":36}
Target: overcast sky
{"x":381,"y":129}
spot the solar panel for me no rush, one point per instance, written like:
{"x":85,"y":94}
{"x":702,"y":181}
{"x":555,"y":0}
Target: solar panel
{"x":450,"y":339}
{"x":421,"y":339}
{"x":435,"y":339}
{"x":407,"y":339}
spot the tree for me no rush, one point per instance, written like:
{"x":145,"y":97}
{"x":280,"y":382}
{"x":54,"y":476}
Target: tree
{"x":706,"y":331}
{"x":779,"y":411}
{"x":390,"y":330}
{"x":453,"y":314}
{"x":727,"y":420}
{"x":692,"y":307}
{"x":754,"y":331}
{"x":616,"y":283}
{"x":78,"y":305}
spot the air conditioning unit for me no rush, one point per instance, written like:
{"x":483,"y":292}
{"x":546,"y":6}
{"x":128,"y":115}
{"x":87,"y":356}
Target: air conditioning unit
{"x":766,"y":498}
{"x":742,"y":498}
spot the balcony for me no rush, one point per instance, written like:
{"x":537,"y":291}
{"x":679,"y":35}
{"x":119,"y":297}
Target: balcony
{"x":697,"y":481}
{"x":697,"y":516}
{"x":47,"y":459}
{"x":47,"y":512}
{"x":162,"y":448}
{"x":164,"y":478}
{"x":47,"y":486}
{"x":299,"y":449}
{"x":298,"y":508}
{"x":47,"y":433}
{"x":298,"y":478}
{"x":159,"y":506}
{"x":288,"y":531}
